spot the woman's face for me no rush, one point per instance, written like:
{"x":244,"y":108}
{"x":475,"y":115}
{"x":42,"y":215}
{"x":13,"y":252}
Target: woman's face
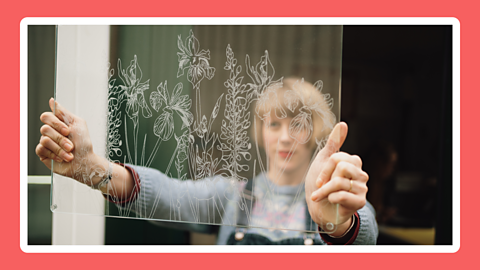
{"x":284,"y":154}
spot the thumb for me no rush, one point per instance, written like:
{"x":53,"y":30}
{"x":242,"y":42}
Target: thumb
{"x":63,"y":114}
{"x":335,"y":141}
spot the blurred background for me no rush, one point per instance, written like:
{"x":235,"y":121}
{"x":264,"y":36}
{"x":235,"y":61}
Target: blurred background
{"x":396,"y":98}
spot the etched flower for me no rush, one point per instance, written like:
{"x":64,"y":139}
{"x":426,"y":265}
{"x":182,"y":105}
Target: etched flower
{"x":182,"y":144}
{"x":176,"y":103}
{"x":163,"y":126}
{"x":133,"y":89}
{"x":262,"y":74}
{"x":195,"y":60}
{"x":203,"y":166}
{"x":301,"y":126}
{"x":182,"y":155}
{"x":202,"y":127}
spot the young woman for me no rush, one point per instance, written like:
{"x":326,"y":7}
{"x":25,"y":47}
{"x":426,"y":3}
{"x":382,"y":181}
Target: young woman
{"x":289,"y":125}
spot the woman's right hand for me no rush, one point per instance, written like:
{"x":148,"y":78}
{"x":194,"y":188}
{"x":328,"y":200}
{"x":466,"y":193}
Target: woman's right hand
{"x":66,"y":141}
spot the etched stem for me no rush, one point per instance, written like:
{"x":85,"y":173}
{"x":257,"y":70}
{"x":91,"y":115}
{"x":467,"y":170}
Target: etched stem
{"x":154,"y":152}
{"x":198,"y":104}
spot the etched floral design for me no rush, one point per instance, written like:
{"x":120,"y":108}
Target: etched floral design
{"x":182,"y":152}
{"x":205,"y":164}
{"x":163,"y":126}
{"x":182,"y":145}
{"x":262,"y":75}
{"x":301,"y":126}
{"x":200,"y":151}
{"x":133,"y":89}
{"x":176,"y":103}
{"x":202,"y":127}
{"x":201,"y":160}
{"x":267,"y":102}
{"x":265,"y":88}
{"x":235,"y":145}
{"x":114,"y":114}
{"x":195,"y":60}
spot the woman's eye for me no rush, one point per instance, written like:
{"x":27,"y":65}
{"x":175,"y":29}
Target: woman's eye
{"x":274,"y":124}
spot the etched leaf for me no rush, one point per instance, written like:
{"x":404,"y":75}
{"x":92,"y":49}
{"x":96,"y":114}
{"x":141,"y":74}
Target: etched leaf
{"x":186,"y":116}
{"x":216,"y":109}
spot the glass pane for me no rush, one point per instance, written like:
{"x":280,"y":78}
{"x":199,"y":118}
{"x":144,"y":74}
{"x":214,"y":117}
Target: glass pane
{"x":220,"y":123}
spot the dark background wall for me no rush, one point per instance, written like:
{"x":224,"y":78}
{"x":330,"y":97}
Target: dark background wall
{"x":396,"y":98}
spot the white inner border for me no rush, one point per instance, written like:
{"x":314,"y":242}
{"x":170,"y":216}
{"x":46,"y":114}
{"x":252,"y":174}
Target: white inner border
{"x":239,"y":21}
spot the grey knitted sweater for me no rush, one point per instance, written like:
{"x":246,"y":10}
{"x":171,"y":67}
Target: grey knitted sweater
{"x":193,"y":204}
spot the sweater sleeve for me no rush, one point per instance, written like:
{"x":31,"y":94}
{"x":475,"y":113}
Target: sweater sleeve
{"x":186,"y":203}
{"x":368,"y":231}
{"x":136,"y":189}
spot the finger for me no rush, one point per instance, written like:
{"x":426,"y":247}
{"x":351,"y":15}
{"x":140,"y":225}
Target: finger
{"x":339,"y":184}
{"x":44,"y":154}
{"x":65,"y":143}
{"x":335,"y":140}
{"x":50,"y":119}
{"x":347,"y":199}
{"x":49,"y":144}
{"x":328,"y":169}
{"x":60,"y":112}
{"x":350,"y":171}
{"x":333,"y":185}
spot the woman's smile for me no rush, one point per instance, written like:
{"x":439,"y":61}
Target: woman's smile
{"x":285,"y":154}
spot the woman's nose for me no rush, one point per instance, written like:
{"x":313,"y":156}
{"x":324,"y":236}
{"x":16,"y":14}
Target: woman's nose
{"x":284,"y":135}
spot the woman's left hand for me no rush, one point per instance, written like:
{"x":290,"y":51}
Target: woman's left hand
{"x":335,"y":178}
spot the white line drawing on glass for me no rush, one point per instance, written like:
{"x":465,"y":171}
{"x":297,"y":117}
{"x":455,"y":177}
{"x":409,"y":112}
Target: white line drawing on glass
{"x":196,"y":142}
{"x":196,"y":61}
{"x":114,"y":116}
{"x":133,"y":93}
{"x":164,"y":126}
{"x":236,"y":143}
{"x":202,"y":163}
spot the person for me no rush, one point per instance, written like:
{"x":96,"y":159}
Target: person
{"x":289,"y":124}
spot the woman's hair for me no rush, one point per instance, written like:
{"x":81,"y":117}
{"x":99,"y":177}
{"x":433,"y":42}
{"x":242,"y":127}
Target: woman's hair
{"x":289,"y":100}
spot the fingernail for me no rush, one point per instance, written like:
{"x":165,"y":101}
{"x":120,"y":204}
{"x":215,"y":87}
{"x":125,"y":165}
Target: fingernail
{"x":67,"y":146}
{"x":67,"y":156}
{"x":65,"y":131}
